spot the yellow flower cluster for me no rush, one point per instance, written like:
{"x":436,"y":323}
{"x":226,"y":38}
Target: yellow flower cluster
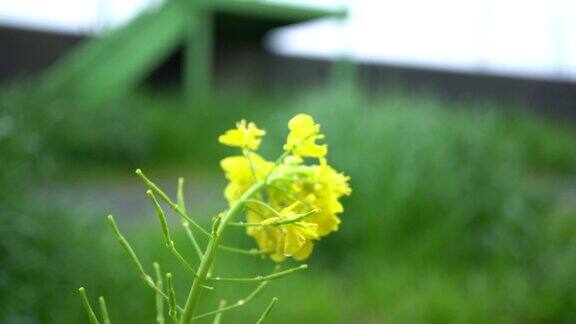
{"x":243,"y":136}
{"x":300,"y":202}
{"x":302,"y":138}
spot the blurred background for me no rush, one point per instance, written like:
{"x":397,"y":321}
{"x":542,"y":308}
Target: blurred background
{"x":455,"y":120}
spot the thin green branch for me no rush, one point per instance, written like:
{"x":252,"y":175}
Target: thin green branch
{"x":182,"y":204}
{"x":185,"y":263}
{"x":130,"y":252}
{"x":180,"y":195}
{"x":242,"y":224}
{"x":159,"y":299}
{"x":171,"y":298}
{"x":216,"y":224}
{"x":267,"y":310}
{"x":218,"y":317}
{"x":87,"y":307}
{"x":104,"y":310}
{"x":276,"y":221}
{"x":253,"y":252}
{"x":288,"y":220}
{"x":211,"y":249}
{"x":147,"y":279}
{"x":265,"y":205}
{"x":169,"y":201}
{"x":290,"y":196}
{"x":258,"y":212}
{"x":161,"y":218}
{"x":192,"y":239}
{"x":239,"y":303}
{"x":262,"y":278}
{"x":166,"y":232}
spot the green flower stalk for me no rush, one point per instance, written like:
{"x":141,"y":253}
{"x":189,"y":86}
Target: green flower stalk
{"x":288,"y":207}
{"x":159,"y":299}
{"x":91,"y":315}
{"x":267,"y":310}
{"x":218,"y":317}
{"x":104,"y":310}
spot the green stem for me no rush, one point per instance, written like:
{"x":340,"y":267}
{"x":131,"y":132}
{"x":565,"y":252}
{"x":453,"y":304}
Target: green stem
{"x":190,"y":235}
{"x":254,"y":252}
{"x":166,"y":232}
{"x":147,"y":280}
{"x":130,"y":252}
{"x":277,"y":222}
{"x":161,"y":217}
{"x":267,"y":310}
{"x":171,"y":298}
{"x":182,"y":204}
{"x":211,"y":250}
{"x":218,"y":317}
{"x":180,"y":195}
{"x":290,"y":196}
{"x":86,"y":303}
{"x":239,"y":303}
{"x":262,"y":278}
{"x":159,"y":299}
{"x":152,"y":186}
{"x":288,"y":220}
{"x":265,"y":205}
{"x":104,"y":310}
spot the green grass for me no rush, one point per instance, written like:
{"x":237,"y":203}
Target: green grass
{"x":460,"y":212}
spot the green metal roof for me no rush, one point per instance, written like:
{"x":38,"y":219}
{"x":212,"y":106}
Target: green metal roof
{"x":105,"y":67}
{"x":286,"y":13}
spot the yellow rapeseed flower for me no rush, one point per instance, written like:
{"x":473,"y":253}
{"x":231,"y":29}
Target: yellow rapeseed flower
{"x":243,"y":171}
{"x":293,"y":239}
{"x":319,"y":186}
{"x":245,"y":136}
{"x":330,"y":181}
{"x":302,"y":138}
{"x":292,"y":188}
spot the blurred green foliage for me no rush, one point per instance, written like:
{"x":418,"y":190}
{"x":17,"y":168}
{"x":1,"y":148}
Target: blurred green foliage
{"x":457,"y":213}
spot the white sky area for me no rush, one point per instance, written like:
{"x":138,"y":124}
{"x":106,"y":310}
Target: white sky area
{"x":527,"y":38}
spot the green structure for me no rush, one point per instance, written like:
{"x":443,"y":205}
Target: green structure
{"x":112,"y":65}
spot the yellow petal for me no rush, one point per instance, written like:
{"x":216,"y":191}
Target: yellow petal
{"x":293,"y":240}
{"x":302,"y":137}
{"x":246,"y":136}
{"x":304,"y":251}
